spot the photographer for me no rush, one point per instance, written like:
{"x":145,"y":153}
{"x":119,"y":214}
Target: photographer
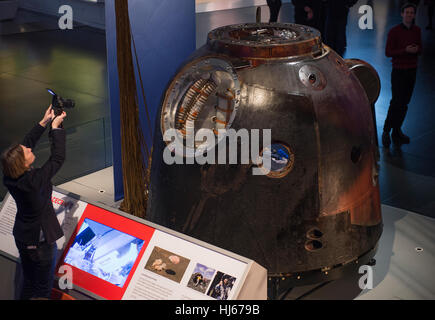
{"x":36,"y":227}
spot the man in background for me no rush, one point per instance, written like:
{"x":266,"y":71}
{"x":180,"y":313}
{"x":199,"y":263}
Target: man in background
{"x":404,"y":45}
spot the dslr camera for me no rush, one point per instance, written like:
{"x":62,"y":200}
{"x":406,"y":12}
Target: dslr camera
{"x":58,"y":103}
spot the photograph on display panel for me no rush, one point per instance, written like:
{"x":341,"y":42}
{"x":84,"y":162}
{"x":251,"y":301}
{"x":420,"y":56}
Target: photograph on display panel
{"x":104,"y":252}
{"x":201,"y":278}
{"x":221,"y":286}
{"x":167,"y":264}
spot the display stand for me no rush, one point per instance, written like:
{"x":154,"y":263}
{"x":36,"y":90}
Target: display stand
{"x":108,"y":254}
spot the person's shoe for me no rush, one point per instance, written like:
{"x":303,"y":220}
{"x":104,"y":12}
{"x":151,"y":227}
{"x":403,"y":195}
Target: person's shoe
{"x":429,"y":27}
{"x":399,"y":137}
{"x":386,"y":141}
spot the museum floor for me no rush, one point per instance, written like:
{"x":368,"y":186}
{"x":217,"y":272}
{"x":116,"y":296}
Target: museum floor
{"x":35,"y":54}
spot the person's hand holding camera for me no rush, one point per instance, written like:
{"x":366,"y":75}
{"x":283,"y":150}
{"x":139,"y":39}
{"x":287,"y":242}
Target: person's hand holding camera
{"x":48,"y":116}
{"x":57,"y":121}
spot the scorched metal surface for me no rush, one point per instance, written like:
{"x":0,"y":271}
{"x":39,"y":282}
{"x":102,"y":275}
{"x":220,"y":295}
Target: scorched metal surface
{"x":318,"y":211}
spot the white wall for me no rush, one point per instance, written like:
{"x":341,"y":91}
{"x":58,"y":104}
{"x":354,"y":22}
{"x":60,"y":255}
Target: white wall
{"x":89,"y":12}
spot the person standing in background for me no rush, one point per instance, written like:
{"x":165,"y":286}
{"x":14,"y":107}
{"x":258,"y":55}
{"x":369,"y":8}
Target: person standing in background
{"x":274,"y":7}
{"x":404,"y":45}
{"x":310,"y":13}
{"x":337,"y":12}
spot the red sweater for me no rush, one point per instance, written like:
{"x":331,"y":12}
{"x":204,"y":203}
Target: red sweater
{"x":399,"y":38}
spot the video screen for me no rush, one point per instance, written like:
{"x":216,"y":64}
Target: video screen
{"x":104,"y":252}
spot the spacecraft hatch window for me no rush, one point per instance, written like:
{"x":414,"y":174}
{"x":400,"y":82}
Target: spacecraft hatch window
{"x":280,"y":157}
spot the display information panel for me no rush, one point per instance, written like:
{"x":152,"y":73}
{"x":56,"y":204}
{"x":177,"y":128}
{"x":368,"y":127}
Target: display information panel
{"x":68,"y":210}
{"x":176,"y":269}
{"x":113,"y":255}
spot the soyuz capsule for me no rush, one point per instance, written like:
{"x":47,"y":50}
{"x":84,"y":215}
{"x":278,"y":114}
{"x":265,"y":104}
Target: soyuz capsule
{"x":317,"y":206}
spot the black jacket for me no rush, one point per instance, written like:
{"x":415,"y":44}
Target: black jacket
{"x":32,"y":192}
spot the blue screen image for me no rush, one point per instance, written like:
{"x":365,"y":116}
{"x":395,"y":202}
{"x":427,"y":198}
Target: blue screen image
{"x":104,"y":252}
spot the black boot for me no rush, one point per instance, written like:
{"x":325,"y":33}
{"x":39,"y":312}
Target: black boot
{"x":399,"y":137}
{"x":386,"y":141}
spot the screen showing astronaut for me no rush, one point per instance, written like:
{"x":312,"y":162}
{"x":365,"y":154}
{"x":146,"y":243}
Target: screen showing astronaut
{"x":104,"y":252}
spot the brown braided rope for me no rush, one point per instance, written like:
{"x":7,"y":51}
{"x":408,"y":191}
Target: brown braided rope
{"x":133,"y":145}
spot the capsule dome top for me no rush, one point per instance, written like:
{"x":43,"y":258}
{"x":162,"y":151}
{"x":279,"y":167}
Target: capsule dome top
{"x":265,"y":40}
